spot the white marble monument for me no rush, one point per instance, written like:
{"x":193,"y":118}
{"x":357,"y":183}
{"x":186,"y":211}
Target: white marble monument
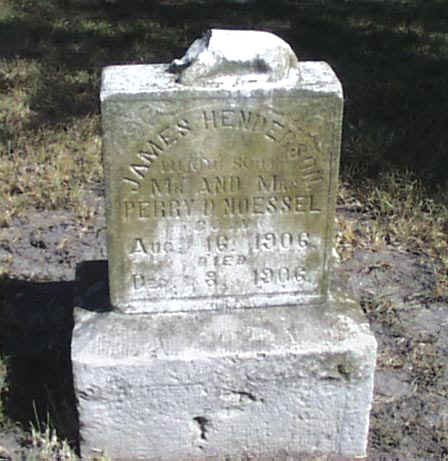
{"x":228,"y":336}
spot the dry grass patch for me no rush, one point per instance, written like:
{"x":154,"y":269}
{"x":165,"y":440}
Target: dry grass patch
{"x":50,"y":168}
{"x":395,"y":211}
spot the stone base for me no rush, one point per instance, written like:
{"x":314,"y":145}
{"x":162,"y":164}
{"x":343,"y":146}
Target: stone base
{"x":279,"y":383}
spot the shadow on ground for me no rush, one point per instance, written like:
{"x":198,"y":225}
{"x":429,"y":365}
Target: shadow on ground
{"x":36,"y":324}
{"x":35,"y":335}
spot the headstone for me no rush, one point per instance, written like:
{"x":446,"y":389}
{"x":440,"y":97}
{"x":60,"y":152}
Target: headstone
{"x":220,"y":196}
{"x":229,"y":338}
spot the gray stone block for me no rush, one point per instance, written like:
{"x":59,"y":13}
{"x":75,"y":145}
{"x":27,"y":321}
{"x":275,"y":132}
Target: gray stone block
{"x":289,"y":382}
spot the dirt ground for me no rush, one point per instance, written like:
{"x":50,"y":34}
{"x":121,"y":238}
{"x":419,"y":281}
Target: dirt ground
{"x":409,"y":418}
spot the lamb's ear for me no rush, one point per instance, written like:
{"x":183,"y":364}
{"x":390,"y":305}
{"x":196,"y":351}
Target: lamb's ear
{"x":196,"y":48}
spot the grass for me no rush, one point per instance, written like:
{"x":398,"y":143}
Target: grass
{"x":397,"y":212}
{"x":43,"y":442}
{"x":47,"y":446}
{"x":3,"y":390}
{"x":391,"y":58}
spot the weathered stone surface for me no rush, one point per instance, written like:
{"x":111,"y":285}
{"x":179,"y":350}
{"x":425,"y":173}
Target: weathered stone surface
{"x":219,"y":197}
{"x":225,"y":386}
{"x":219,"y":58}
{"x":220,"y":189}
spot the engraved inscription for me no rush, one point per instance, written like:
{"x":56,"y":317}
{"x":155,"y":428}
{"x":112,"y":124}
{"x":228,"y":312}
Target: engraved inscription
{"x":142,"y":281}
{"x":224,"y":202}
{"x":284,"y":241}
{"x":268,"y":241}
{"x":280,"y":275}
{"x":143,"y":247}
{"x":152,"y":150}
{"x":227,"y":260}
{"x":273,"y":129}
{"x":226,"y":206}
{"x":150,"y":209}
{"x":167,"y":197}
{"x":220,"y":184}
{"x":276,"y":204}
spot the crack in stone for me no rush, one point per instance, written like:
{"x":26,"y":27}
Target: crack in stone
{"x":244,"y":394}
{"x":202,"y":423}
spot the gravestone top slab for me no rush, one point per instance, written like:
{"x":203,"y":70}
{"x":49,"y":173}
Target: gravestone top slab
{"x":219,"y":196}
{"x":137,"y":80}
